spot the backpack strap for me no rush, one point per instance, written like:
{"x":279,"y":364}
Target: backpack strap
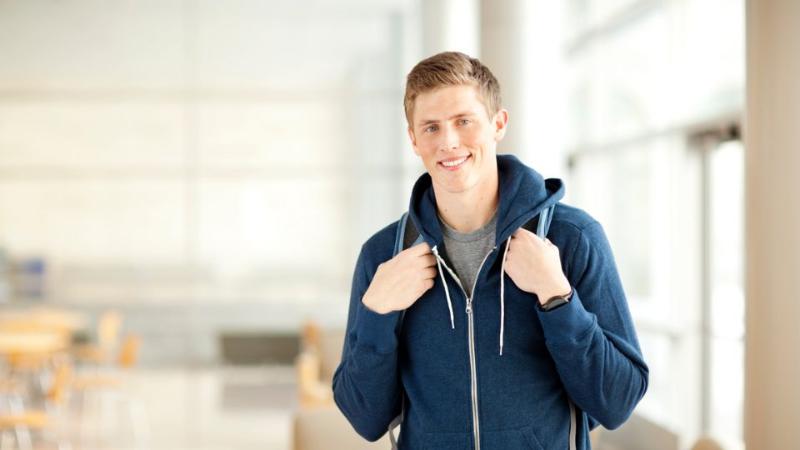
{"x":404,"y":228}
{"x":541,"y":223}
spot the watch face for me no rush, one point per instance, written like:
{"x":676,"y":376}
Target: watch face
{"x":554,"y":302}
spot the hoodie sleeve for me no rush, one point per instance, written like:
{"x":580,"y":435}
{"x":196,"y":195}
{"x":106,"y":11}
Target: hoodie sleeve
{"x":366,"y":384}
{"x":592,"y":338}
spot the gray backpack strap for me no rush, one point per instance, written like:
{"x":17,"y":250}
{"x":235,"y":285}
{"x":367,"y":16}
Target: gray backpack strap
{"x":399,"y":236}
{"x":542,"y":225}
{"x":404,"y":228}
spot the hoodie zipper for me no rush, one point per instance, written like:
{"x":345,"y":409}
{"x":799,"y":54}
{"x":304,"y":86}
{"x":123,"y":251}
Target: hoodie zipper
{"x":471,"y":337}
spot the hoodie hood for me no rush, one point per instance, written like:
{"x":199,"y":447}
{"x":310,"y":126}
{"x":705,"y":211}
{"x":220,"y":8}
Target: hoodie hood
{"x":523,"y":194}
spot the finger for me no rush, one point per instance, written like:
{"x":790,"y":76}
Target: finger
{"x":427,"y":260}
{"x":429,"y":273}
{"x":506,"y":267}
{"x":420,"y":249}
{"x":536,"y":238}
{"x":522,"y":232}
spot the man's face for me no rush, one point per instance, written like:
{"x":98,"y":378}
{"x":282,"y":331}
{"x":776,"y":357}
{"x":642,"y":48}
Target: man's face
{"x":455,"y":137}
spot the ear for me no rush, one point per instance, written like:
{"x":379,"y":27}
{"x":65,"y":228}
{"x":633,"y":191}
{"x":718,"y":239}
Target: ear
{"x":413,"y":140}
{"x":500,"y":122}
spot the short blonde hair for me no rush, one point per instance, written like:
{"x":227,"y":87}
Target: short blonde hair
{"x":451,"y":69}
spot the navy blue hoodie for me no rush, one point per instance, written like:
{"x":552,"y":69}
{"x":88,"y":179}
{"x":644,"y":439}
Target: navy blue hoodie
{"x":472,"y":383}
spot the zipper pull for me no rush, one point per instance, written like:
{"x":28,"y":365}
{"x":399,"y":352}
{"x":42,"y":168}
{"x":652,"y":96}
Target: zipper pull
{"x":469,"y":306}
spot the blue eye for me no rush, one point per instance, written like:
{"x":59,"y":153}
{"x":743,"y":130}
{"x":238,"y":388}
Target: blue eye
{"x":430,"y":128}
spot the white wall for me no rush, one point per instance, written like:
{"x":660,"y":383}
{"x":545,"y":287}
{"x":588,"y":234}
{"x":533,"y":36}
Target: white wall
{"x":199,"y":156}
{"x":197,"y":135}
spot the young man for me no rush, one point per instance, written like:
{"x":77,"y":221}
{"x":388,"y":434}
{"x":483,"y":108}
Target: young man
{"x":484,"y":335}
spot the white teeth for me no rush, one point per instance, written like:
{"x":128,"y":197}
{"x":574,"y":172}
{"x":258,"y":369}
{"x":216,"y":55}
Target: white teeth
{"x":454,"y":163}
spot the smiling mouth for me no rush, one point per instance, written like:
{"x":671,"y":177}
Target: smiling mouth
{"x":453,"y":164}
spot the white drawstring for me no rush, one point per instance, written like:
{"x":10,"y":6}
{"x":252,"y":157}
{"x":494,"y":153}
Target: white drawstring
{"x":446,"y":291}
{"x":502,"y":294}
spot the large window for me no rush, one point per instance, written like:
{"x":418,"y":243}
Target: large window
{"x":649,"y":82}
{"x":188,"y":150}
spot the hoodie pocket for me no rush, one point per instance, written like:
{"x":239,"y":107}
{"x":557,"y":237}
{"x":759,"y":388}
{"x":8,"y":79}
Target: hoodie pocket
{"x":513,"y":439}
{"x":446,"y":441}
{"x":533,"y":441}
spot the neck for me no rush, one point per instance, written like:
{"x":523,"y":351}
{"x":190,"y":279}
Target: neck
{"x":469,"y":210}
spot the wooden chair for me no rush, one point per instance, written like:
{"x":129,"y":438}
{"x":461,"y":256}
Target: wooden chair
{"x":109,"y":388}
{"x":21,"y":420}
{"x":102,"y":352}
{"x":127,"y":358}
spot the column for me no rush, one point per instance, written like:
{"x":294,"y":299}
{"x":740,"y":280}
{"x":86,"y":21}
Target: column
{"x":772,"y":224}
{"x":520,"y":42}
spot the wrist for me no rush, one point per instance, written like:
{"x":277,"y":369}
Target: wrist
{"x":373,"y":306}
{"x":563,"y":291}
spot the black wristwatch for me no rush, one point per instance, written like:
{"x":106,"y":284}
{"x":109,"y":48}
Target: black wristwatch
{"x":554,"y":302}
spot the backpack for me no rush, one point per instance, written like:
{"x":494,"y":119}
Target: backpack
{"x":540,"y":223}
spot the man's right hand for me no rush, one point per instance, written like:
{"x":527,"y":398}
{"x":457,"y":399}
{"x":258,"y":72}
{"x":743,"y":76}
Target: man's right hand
{"x":401,"y":281}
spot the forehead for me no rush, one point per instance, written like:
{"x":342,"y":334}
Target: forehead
{"x":445,"y":101}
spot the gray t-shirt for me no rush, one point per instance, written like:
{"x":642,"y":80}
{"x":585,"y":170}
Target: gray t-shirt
{"x":467,"y":250}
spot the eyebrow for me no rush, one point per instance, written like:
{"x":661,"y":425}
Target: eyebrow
{"x":430,"y":121}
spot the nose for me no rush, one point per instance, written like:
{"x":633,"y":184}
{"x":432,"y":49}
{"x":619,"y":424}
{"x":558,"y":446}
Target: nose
{"x":449,"y":139}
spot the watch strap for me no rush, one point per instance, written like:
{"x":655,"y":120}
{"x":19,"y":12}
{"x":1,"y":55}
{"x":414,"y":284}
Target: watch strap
{"x":556,"y":301}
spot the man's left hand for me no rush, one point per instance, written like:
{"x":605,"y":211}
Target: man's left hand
{"x":534,"y":265}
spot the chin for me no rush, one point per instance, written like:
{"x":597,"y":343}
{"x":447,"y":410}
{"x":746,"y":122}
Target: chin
{"x":454,"y":188}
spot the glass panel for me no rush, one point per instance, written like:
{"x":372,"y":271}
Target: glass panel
{"x":727,"y":234}
{"x":130,"y":137}
{"x":584,"y":14}
{"x":711,"y":57}
{"x":646,"y":197}
{"x":101,"y":221}
{"x":617,"y":190}
{"x":727,"y":288}
{"x":663,"y":66}
{"x":658,"y":351}
{"x":261,"y":226}
{"x":727,"y":388}
{"x":88,"y":45}
{"x":271,"y":137}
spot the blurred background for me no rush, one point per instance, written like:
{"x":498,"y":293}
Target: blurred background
{"x":185,"y":185}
